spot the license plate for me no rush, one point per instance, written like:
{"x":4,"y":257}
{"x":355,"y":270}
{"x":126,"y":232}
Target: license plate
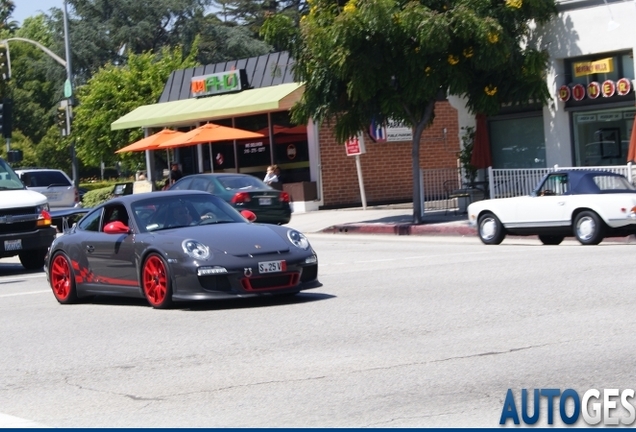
{"x":272,"y":266}
{"x":52,"y":196}
{"x":11,"y":245}
{"x":265,"y":201}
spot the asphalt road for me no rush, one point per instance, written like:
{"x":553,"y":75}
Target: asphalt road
{"x":405,"y":332}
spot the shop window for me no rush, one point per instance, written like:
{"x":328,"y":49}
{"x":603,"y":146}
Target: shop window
{"x":517,"y":142}
{"x":601,"y":137}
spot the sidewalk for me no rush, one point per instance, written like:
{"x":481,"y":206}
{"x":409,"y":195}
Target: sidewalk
{"x":389,"y":219}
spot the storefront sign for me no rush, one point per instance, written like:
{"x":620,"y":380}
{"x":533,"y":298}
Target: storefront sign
{"x":610,"y":116}
{"x":596,"y":67}
{"x":578,"y":92}
{"x":609,"y":88}
{"x":589,"y":118}
{"x":255,"y":147}
{"x":593,"y":90}
{"x":392,"y":131}
{"x":218,"y":83}
{"x":291,"y":151}
{"x":564,"y":93}
{"x":355,"y":146}
{"x":623,"y":86}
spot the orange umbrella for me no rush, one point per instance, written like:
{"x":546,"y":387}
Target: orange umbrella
{"x":209,"y":132}
{"x":151,"y":142}
{"x":631,"y":153}
{"x":481,"y":156}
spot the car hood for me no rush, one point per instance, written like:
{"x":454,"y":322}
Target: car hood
{"x":233,"y":238}
{"x":22,"y":198}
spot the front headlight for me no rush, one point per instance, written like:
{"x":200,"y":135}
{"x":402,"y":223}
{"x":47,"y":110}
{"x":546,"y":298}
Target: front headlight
{"x":298,"y":239}
{"x":195,"y":249}
{"x":42,"y":207}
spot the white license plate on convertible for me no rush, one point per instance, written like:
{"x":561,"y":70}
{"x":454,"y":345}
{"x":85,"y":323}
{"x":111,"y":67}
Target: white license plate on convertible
{"x":11,"y":245}
{"x":272,"y":266}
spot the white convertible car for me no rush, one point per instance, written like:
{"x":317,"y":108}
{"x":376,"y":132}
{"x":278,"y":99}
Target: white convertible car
{"x":589,"y":205}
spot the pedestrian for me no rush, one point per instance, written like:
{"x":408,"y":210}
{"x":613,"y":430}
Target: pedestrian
{"x":175,"y":172}
{"x":271,"y":177}
{"x":167,"y":184}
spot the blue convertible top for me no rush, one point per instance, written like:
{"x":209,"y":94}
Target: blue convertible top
{"x":583,"y":182}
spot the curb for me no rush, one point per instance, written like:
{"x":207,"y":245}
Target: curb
{"x":402,"y":229}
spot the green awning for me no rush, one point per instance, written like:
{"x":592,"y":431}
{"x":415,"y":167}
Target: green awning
{"x":254,"y":101}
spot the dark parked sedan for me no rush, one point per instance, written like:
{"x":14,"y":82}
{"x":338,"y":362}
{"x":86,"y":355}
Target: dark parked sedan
{"x":243,"y":192}
{"x":177,"y":245}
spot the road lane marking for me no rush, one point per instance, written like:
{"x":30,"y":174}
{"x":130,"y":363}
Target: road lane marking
{"x":8,"y":421}
{"x":24,"y":293}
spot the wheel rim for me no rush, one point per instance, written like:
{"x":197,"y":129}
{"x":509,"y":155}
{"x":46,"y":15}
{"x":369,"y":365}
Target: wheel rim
{"x":488,"y":228}
{"x":155,"y":280}
{"x":61,"y":277}
{"x":586,"y":228}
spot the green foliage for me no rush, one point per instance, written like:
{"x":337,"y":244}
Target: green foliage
{"x":115,"y":91}
{"x":90,"y":186}
{"x":20,"y":142}
{"x":367,"y":59}
{"x":97,"y":196}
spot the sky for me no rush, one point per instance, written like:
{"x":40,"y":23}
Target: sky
{"x":28,"y":8}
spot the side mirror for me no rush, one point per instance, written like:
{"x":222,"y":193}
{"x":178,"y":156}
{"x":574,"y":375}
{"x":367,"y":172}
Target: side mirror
{"x":116,"y":227}
{"x":249,"y":215}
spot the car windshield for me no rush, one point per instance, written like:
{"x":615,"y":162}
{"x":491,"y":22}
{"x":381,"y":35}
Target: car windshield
{"x":177,"y":211}
{"x":9,"y":180}
{"x":235,"y":182}
{"x":609,"y":183}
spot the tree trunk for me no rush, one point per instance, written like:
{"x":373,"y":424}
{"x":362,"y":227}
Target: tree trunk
{"x":418,"y":209}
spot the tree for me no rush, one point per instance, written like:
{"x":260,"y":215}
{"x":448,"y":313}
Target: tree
{"x":367,"y":60}
{"x":115,"y":91}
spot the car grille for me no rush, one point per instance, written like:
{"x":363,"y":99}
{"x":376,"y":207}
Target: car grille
{"x":215,"y":283}
{"x":309,"y":273}
{"x":270,"y":282}
{"x":18,"y":220}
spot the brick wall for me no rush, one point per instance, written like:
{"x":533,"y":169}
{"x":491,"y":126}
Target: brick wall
{"x":386,"y":168}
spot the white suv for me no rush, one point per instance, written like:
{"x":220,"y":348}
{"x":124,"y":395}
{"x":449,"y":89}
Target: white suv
{"x":54,"y":184}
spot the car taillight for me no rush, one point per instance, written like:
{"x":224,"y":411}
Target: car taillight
{"x":283,"y":197}
{"x":44,"y":219}
{"x":77,"y":199}
{"x":240,"y":198}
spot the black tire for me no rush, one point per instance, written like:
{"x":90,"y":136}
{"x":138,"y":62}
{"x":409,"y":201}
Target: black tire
{"x":62,"y":279}
{"x":551,"y":239}
{"x":490,"y":229}
{"x":33,"y":260}
{"x":155,"y":282}
{"x":589,"y":229}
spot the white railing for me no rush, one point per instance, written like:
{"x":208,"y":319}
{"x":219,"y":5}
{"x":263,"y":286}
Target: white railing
{"x":438,"y":185}
{"x":503,"y":183}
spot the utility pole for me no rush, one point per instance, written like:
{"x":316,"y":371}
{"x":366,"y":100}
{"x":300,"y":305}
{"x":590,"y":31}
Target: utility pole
{"x":68,"y":93}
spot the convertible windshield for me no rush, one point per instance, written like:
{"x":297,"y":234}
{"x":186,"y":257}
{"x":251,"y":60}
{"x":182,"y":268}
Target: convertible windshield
{"x":163,"y":212}
{"x":9,"y":180}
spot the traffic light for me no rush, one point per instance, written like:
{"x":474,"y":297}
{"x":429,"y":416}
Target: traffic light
{"x":5,"y":61}
{"x":60,"y":118}
{"x":6,"y":116}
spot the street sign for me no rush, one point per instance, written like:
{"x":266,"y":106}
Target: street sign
{"x":68,"y":91}
{"x":355,"y":146}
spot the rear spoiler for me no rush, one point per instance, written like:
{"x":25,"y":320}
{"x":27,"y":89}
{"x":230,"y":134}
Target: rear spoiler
{"x":61,"y":218}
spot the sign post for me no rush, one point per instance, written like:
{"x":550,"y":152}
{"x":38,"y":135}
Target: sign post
{"x":355,"y":147}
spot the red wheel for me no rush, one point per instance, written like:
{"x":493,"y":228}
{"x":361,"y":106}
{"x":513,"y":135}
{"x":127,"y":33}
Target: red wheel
{"x":62,"y":279}
{"x":156,"y":282}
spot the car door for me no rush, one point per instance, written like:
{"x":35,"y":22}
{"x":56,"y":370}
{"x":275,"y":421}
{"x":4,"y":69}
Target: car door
{"x":111,"y":257}
{"x":548,"y":206}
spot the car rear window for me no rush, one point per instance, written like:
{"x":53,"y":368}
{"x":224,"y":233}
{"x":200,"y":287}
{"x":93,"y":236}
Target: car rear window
{"x":45,"y":179}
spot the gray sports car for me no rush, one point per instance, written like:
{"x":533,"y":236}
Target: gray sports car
{"x":177,"y":245}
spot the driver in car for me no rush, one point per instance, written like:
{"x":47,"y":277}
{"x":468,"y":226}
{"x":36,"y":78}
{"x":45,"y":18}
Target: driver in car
{"x":181,"y":216}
